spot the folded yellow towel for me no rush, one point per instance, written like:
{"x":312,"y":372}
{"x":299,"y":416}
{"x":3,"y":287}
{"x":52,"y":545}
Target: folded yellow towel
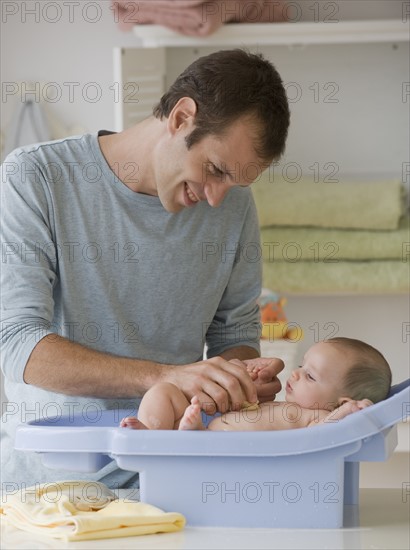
{"x":56,"y":510}
{"x":344,"y":205}
{"x":373,"y":277}
{"x":319,"y":244}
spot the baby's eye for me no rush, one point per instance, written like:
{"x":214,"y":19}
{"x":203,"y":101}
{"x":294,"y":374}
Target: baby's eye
{"x":310,"y":377}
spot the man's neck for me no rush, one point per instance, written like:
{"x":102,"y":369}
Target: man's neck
{"x":130,"y":154}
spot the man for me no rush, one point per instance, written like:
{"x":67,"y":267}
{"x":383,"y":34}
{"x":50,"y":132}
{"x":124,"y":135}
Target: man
{"x":125,"y":253}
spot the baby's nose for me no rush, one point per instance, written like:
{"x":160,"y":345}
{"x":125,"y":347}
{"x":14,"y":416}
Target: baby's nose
{"x":296,"y":374}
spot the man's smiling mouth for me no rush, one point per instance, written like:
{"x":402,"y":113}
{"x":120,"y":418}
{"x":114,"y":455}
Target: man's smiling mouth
{"x":191,"y":196}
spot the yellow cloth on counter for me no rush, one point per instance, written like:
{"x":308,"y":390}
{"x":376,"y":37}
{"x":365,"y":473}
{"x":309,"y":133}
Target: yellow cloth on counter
{"x":50,"y":509}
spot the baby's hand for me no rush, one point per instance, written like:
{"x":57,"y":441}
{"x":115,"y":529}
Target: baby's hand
{"x":263,"y":371}
{"x":363,"y":403}
{"x":352,"y":406}
{"x":348,"y":407}
{"x":251,"y":370}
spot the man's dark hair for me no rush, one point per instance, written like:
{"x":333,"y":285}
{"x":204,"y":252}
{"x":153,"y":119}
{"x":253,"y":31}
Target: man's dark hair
{"x":226,"y":85}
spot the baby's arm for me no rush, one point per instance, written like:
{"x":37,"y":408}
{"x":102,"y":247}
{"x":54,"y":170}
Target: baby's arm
{"x":349,"y":407}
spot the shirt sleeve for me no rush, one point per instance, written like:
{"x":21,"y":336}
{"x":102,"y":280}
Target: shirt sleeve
{"x":29,"y":262}
{"x":237,"y":320}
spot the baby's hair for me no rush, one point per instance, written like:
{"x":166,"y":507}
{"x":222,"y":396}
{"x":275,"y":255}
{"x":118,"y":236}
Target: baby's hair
{"x":369,"y":376}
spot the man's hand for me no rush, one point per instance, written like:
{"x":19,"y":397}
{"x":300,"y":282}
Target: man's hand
{"x":264,"y":371}
{"x":219,"y":384}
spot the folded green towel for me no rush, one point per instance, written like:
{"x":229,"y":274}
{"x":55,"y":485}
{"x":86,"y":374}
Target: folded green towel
{"x":372,"y":277}
{"x":327,"y":245}
{"x":361,"y":205}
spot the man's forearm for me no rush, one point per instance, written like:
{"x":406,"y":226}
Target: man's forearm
{"x":62,"y":366}
{"x":240,"y":352}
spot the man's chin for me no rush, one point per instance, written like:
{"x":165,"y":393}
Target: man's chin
{"x":172,"y":208}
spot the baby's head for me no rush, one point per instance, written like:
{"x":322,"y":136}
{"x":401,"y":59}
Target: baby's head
{"x":338,"y":369}
{"x":369,"y":376}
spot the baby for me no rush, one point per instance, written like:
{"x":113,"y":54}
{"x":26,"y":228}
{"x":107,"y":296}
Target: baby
{"x":338,"y":377}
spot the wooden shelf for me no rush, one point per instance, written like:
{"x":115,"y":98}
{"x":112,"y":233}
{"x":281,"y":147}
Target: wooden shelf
{"x":290,"y":34}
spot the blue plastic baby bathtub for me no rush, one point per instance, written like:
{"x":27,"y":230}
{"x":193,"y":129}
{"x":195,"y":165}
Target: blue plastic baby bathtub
{"x":305,"y":478}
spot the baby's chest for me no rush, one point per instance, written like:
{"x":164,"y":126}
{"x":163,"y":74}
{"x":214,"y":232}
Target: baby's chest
{"x":284,"y":416}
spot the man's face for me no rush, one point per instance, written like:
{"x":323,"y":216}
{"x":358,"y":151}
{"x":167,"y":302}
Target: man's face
{"x":209,"y":169}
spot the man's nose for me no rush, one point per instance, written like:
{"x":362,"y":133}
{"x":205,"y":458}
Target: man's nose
{"x":215,"y":193}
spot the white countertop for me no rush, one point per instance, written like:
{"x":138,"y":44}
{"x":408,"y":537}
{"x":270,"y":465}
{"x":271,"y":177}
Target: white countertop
{"x":384,"y":525}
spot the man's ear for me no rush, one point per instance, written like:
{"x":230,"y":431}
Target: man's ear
{"x":182,"y":115}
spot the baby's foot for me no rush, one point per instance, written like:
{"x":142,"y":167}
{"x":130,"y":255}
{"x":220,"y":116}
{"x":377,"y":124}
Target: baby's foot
{"x":192,"y":418}
{"x":133,"y":423}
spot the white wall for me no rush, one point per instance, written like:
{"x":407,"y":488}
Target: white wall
{"x":75,"y":50}
{"x":72,"y":42}
{"x":71,"y":50}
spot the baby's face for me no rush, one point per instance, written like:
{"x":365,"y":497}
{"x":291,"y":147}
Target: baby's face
{"x":318,"y":383}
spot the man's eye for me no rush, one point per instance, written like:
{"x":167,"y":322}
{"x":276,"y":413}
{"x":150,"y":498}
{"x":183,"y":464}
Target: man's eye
{"x":216,"y":171}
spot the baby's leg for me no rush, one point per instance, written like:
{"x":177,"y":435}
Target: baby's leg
{"x":192,"y":419}
{"x":162,"y":407}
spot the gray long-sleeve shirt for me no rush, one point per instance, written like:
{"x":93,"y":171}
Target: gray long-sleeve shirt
{"x":87,"y":258}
